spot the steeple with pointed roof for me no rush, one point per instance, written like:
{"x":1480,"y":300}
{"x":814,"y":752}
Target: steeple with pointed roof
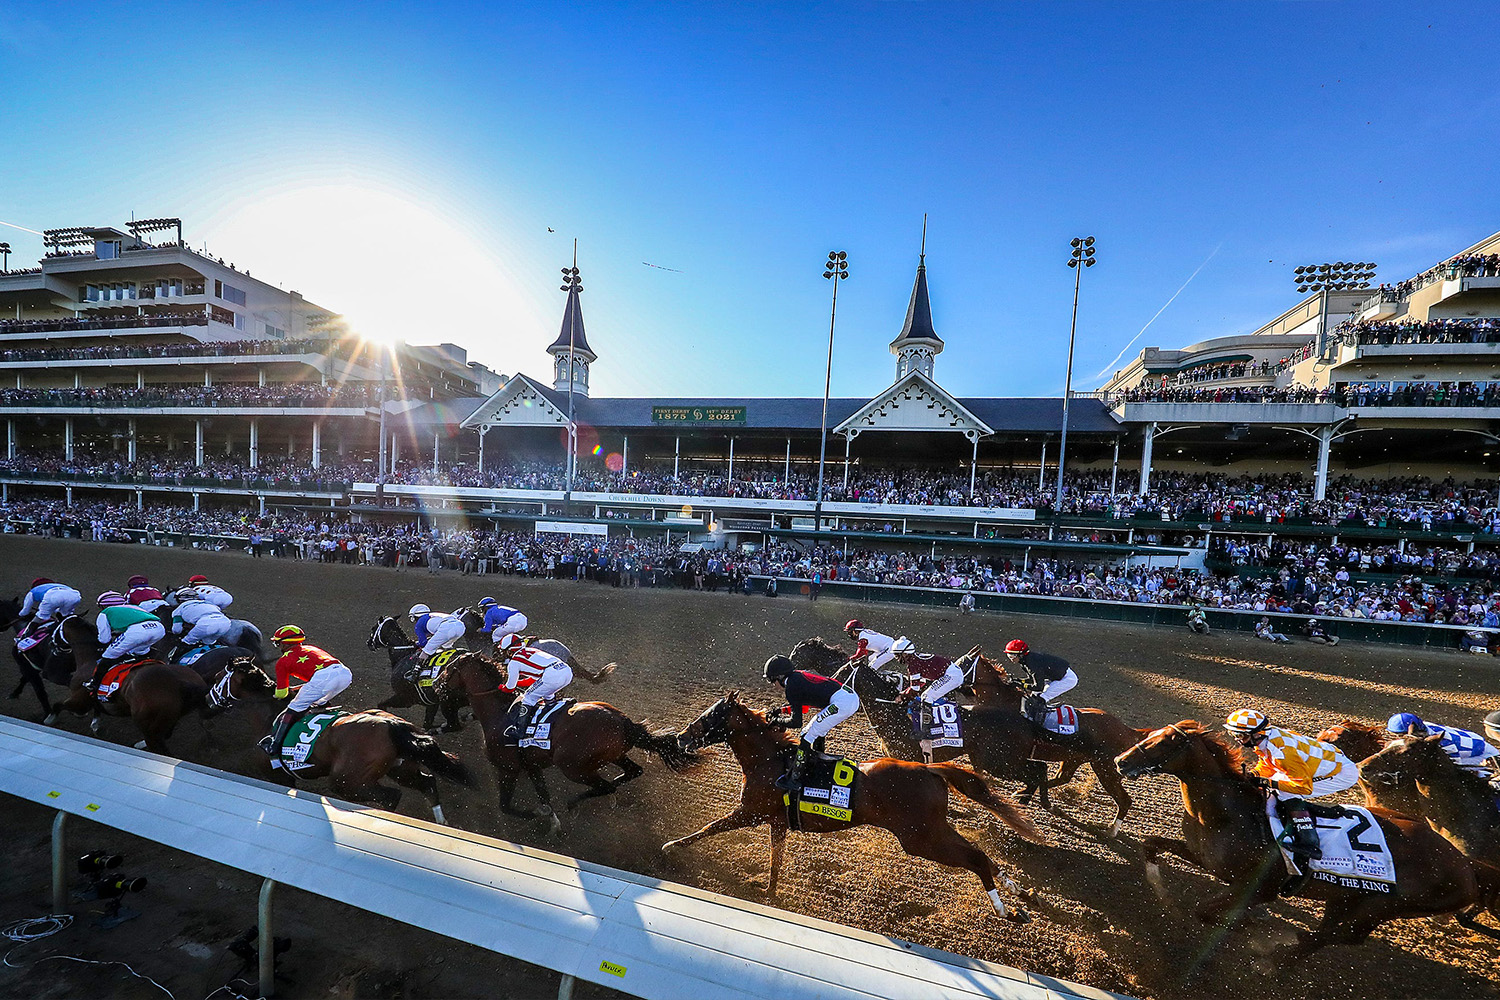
{"x":570,"y":351}
{"x":918,"y":345}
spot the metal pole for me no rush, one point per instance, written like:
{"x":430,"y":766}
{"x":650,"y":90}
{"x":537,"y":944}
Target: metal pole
{"x":266,"y":944}
{"x":1115,"y":471}
{"x":823,"y":427}
{"x":974,"y":472}
{"x":1062,"y":451}
{"x":60,"y":863}
{"x":384,"y":469}
{"x":625,"y":456}
{"x":565,"y":987}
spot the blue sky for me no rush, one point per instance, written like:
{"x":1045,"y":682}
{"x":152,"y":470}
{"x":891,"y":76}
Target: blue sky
{"x":402,"y":164}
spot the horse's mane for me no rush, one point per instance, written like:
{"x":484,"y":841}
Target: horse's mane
{"x":1355,"y":726}
{"x":1231,"y":757}
{"x":1000,"y":672}
{"x":818,"y":642}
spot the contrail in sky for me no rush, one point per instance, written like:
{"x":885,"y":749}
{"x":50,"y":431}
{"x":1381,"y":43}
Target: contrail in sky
{"x":1106,"y":369}
{"x":21,"y":228}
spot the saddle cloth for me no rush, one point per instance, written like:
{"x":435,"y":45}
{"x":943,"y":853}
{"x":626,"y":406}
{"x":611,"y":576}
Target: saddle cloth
{"x":33,"y":637}
{"x":539,"y":730}
{"x":191,"y":656}
{"x":114,"y":677}
{"x":946,"y":729}
{"x":827,"y":789}
{"x":1061,"y":719}
{"x":1355,"y":855}
{"x":304,"y":735}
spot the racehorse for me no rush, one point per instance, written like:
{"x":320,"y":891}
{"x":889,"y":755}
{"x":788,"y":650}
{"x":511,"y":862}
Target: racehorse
{"x":998,"y":739}
{"x":243,"y":639}
{"x":1226,"y":833}
{"x":356,"y":752}
{"x":389,"y":635}
{"x":585,"y":737}
{"x":156,"y":695}
{"x":474,"y":621}
{"x":908,"y":799}
{"x":29,"y":663}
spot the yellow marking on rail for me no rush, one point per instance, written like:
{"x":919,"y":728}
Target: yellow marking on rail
{"x":612,"y":969}
{"x":54,"y":795}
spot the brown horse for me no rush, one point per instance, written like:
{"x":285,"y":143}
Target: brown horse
{"x":156,"y":695}
{"x":1226,"y":834}
{"x":585,"y":737}
{"x":356,"y":752}
{"x":910,"y":800}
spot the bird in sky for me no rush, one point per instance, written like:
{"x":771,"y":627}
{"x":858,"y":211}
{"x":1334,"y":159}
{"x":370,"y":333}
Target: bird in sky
{"x":551,"y":230}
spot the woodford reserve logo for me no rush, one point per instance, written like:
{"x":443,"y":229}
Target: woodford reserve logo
{"x":697,"y":414}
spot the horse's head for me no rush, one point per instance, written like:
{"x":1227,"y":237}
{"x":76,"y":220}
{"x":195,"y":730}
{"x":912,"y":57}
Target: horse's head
{"x":73,"y":633}
{"x":1172,"y":749}
{"x":1354,"y":739}
{"x":818,"y":656}
{"x":387,"y":632}
{"x":473,"y":620}
{"x":1405,"y":761}
{"x":718,"y":721}
{"x":10,"y":613}
{"x":989,"y":678}
{"x":249,"y":678}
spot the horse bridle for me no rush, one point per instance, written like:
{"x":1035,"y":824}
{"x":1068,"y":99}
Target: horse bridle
{"x":1159,"y":767}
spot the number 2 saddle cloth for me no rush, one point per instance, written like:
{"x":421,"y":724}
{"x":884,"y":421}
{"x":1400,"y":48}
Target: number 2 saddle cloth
{"x":1355,"y":854}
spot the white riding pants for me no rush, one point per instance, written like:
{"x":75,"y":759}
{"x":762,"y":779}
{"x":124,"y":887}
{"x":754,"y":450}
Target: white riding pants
{"x":208,"y":630}
{"x":879,"y":660}
{"x":1061,"y":686}
{"x":552,"y":680}
{"x":136,"y":640}
{"x":325,"y":684}
{"x":841,"y":707}
{"x":952,"y":678}
{"x":58,"y":603}
{"x":514,"y":625}
{"x":448,"y":634}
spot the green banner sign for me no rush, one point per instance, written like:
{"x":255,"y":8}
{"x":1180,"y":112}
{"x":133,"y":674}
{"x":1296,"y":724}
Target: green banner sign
{"x":698,"y":415}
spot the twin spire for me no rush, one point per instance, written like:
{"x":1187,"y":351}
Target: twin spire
{"x":918,"y":344}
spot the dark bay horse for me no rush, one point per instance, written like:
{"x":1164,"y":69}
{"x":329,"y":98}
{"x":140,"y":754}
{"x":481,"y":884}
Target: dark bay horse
{"x":390,"y":636}
{"x":1225,"y":833}
{"x":356,"y":753}
{"x":908,"y":799}
{"x":29,"y":662}
{"x":156,"y":695}
{"x":585,"y":737}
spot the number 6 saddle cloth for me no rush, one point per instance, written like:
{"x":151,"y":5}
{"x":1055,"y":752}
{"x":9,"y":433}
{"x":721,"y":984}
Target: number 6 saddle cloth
{"x":827,"y":789}
{"x":1355,"y":854}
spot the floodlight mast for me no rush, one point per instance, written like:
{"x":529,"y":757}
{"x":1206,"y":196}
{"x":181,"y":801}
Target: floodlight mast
{"x":1083,"y":257}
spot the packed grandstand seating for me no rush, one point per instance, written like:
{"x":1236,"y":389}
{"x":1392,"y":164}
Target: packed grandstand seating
{"x":1463,"y":265}
{"x":223,"y":394}
{"x":185,"y":317}
{"x":177,"y":469}
{"x":1425,"y":393}
{"x":211,"y":349}
{"x":331,"y":537}
{"x":1439,"y":331}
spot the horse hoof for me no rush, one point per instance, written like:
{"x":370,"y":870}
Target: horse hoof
{"x":94,"y":726}
{"x":437,"y":816}
{"x":1018,"y":917}
{"x":50,"y":720}
{"x":141,"y":745}
{"x":1114,"y":830}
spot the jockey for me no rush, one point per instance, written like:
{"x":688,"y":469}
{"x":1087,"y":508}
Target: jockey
{"x":1468,"y":750}
{"x":138,"y":591}
{"x":197,"y":621}
{"x":217,"y":596}
{"x":435,"y":630}
{"x":1042,"y":675}
{"x":1291,"y":768}
{"x":548,"y":674}
{"x":940,"y":674}
{"x":323,"y":678}
{"x":876,"y":645}
{"x":49,"y":601}
{"x":804,"y":690}
{"x":124,"y":631}
{"x":1263,"y":630}
{"x":500,"y":621}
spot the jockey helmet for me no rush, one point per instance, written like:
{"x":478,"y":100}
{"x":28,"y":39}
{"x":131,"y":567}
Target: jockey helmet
{"x":510,"y":644}
{"x":778,"y":667}
{"x":196,"y":579}
{"x":185,"y":594}
{"x":855,"y":625}
{"x":1406,"y":722}
{"x":487,"y":602}
{"x":417,"y":611}
{"x":111,"y":599}
{"x":289,"y":634}
{"x":41,"y":580}
{"x":1017,"y":647}
{"x":1492,"y":726}
{"x":138,"y":581}
{"x":903,"y":647}
{"x":1247,"y":722}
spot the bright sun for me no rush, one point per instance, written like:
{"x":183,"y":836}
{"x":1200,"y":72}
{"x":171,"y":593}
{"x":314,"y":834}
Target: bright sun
{"x":395,"y":267}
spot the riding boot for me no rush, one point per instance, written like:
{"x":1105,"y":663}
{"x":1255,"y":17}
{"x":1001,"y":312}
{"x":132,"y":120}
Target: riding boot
{"x":1034,"y":706}
{"x":100,"y":669}
{"x":1301,"y":836}
{"x":284,"y":722}
{"x":515,"y":726}
{"x":925,"y":713}
{"x":791,"y":781}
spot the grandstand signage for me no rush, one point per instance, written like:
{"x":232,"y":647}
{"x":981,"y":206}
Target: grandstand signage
{"x":572,"y":528}
{"x":698,"y":415}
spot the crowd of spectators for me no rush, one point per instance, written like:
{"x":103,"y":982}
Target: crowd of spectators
{"x":1433,"y":331}
{"x":185,"y":349}
{"x":1347,"y":560}
{"x":291,"y":394}
{"x":183,"y":317}
{"x":175,"y":469}
{"x":1463,"y":265}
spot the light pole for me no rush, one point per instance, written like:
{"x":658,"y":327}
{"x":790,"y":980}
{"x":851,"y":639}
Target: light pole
{"x":1083,"y":256}
{"x":836,"y":270}
{"x":1336,"y":277}
{"x":572,"y":286}
{"x":5,"y":253}
{"x":385,"y":378}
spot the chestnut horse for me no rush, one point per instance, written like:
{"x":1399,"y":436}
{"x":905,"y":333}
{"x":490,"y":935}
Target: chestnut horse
{"x":910,"y":800}
{"x":585,"y":737}
{"x":1225,"y":833}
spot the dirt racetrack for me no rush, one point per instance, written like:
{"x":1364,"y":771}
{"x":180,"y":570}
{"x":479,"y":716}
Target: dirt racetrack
{"x":1094,"y":919}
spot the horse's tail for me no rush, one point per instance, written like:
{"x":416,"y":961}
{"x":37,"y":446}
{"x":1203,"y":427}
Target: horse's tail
{"x":413,"y":743}
{"x":663,"y":744}
{"x":971,"y":785}
{"x":593,"y":677}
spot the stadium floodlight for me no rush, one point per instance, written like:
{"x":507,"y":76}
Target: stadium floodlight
{"x":5,"y":257}
{"x":1339,"y":276}
{"x":835,"y":270}
{"x":1083,"y":256}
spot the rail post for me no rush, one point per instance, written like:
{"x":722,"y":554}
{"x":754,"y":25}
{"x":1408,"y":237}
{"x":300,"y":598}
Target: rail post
{"x":266,"y":945}
{"x":60,"y":862}
{"x":565,"y":987}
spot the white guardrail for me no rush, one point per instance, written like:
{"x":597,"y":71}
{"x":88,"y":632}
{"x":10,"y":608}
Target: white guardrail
{"x":634,"y":934}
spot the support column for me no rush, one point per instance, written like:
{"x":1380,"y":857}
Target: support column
{"x":68,"y":439}
{"x":228,"y":443}
{"x":848,"y":443}
{"x":262,"y":498}
{"x":130,"y":442}
{"x":1041,"y":475}
{"x":197,"y":499}
{"x":69,"y":492}
{"x":254,"y":442}
{"x":140,"y":500}
{"x":731,"y":457}
{"x":677,"y":458}
{"x":436,"y":450}
{"x":261,"y":376}
{"x":291,"y":442}
{"x":395,"y":449}
{"x":787,"y":477}
{"x":1114,"y":473}
{"x":1325,"y":446}
{"x":10,"y":438}
{"x":197,"y":447}
{"x":317,"y":444}
{"x":78,"y":380}
{"x":974,"y":472}
{"x":140,"y":379}
{"x":625,"y":456}
{"x":1146,"y":458}
{"x":483,"y":428}
{"x":208,"y":379}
